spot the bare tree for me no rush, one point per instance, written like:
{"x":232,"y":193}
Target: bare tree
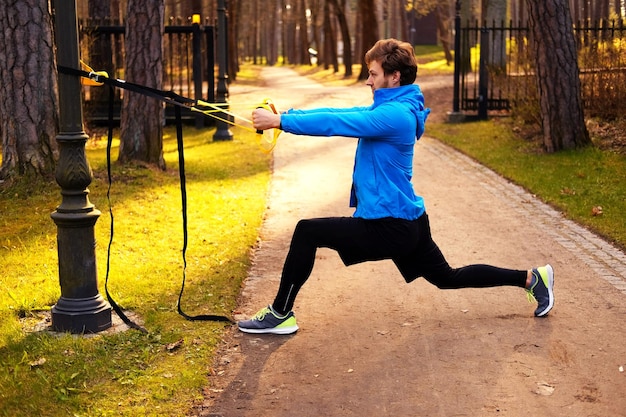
{"x":316,"y":12}
{"x":28,"y":101}
{"x":442,"y":16}
{"x":369,"y":32}
{"x":558,"y":79}
{"x":495,"y":12}
{"x":339,"y":7}
{"x":302,"y":38}
{"x":329,"y":54}
{"x":233,"y":19}
{"x":442,"y":11}
{"x":142,"y":116}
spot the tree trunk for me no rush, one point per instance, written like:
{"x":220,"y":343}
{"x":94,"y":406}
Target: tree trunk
{"x":495,"y":13}
{"x":303,"y":56}
{"x":345,"y":36}
{"x":558,"y":79}
{"x":330,"y":45}
{"x":232,"y":15}
{"x":28,"y":101}
{"x":442,"y":17}
{"x":271,"y":35}
{"x":315,"y":28}
{"x":404,"y":22}
{"x":369,"y":32}
{"x":142,"y":116}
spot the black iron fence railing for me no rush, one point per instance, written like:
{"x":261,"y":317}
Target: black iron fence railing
{"x":495,"y":69}
{"x":188,"y":60}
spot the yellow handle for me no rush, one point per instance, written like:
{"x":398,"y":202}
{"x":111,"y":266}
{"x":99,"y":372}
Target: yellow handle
{"x":268,"y":138}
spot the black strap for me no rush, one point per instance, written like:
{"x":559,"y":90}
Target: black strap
{"x":183,"y":194}
{"x":169,"y":97}
{"x":114,"y":305}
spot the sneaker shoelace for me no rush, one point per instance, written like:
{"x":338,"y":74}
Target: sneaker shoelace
{"x":260,"y":316}
{"x":529,"y":291}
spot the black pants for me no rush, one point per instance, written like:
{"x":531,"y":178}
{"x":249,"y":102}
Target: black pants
{"x":408,"y":243}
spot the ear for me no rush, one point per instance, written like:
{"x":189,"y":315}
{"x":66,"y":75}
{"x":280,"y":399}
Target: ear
{"x":396,"y":77}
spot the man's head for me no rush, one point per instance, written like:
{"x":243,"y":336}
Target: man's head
{"x":395,"y":59}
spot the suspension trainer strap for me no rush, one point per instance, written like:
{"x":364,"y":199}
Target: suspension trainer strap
{"x":169,"y":97}
{"x":183,"y":194}
{"x":114,"y":305}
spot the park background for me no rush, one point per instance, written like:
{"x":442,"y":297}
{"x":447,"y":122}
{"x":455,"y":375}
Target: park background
{"x":164,"y":372}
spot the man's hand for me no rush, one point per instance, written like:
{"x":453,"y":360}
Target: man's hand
{"x":264,"y":119}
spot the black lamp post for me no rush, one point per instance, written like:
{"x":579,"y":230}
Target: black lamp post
{"x":81,"y":308}
{"x":222,"y":132}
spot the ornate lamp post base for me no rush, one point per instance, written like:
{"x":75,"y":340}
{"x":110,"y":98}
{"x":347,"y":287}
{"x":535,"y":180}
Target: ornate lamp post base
{"x":81,"y":315}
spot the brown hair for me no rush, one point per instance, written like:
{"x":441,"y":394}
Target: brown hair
{"x":394,"y":55}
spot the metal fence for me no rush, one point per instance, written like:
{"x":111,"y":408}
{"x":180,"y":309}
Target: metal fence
{"x":189,"y":64}
{"x":496,"y":72}
{"x":602,"y":61}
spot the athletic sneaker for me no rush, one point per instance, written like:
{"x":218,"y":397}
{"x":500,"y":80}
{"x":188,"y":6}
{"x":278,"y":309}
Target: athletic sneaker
{"x":541,"y":289}
{"x":268,"y":321}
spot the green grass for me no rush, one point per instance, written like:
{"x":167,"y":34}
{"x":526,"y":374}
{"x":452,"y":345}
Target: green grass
{"x":431,"y":60}
{"x":130,"y":373}
{"x":573,"y":181}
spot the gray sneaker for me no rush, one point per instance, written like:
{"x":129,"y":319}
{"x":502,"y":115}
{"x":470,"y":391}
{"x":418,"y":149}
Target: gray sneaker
{"x":267,"y":321}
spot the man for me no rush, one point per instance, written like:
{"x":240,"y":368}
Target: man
{"x":390,"y":220}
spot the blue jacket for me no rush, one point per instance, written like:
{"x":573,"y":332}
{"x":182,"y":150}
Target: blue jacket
{"x":383,"y":165}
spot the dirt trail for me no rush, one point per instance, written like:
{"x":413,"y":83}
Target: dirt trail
{"x":371,"y":345}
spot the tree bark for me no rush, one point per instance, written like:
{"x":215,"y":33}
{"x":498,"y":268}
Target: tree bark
{"x":302,"y":38}
{"x":329,"y":54}
{"x":142,"y":116}
{"x":557,"y":75}
{"x":369,"y":32}
{"x":28,"y":101}
{"x":494,"y":12}
{"x":443,"y":18}
{"x":345,"y":36}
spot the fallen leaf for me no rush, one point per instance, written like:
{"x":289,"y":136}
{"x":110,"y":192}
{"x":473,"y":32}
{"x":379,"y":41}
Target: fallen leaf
{"x":174,"y":345}
{"x":596,"y":211}
{"x":38,"y":362}
{"x":543,"y":388}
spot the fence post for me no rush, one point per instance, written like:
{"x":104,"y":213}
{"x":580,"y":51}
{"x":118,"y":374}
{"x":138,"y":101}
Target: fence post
{"x":222,"y":132}
{"x":197,"y":66}
{"x":483,"y":75}
{"x":456,"y":115}
{"x":457,"y":57}
{"x":210,"y":72}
